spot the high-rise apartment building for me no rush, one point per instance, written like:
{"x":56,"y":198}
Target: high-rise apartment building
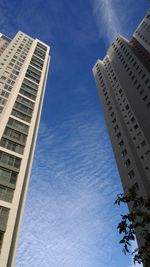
{"x":123,"y":82}
{"x":24,"y":63}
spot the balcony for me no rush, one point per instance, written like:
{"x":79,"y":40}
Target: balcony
{"x":21,"y":115}
{"x":12,"y":145}
{"x":6,"y":194}
{"x":17,"y":125}
{"x":15,"y":136}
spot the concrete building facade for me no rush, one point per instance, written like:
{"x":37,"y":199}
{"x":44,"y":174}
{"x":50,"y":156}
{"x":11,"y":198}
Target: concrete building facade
{"x":24,"y":64}
{"x":123,"y":82}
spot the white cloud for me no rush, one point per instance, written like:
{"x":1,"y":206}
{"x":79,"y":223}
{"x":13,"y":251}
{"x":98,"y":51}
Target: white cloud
{"x":116,"y":17}
{"x":70,"y":215}
{"x":108,"y":18}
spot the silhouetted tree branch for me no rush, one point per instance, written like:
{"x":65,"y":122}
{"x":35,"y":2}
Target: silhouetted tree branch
{"x":138,"y":218}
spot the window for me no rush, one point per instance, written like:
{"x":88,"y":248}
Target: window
{"x":1,"y":238}
{"x":131,"y":174}
{"x":124,"y":153}
{"x":121,"y":143}
{"x":30,"y":84}
{"x":130,"y":73}
{"x":6,"y":194}
{"x":145,"y":97}
{"x":139,"y":134}
{"x":147,"y":154}
{"x":10,"y":82}
{"x":13,"y":77}
{"x":25,"y":101}
{"x":148,"y":105}
{"x":37,"y":62}
{"x":27,"y":94}
{"x":4,"y":213}
{"x":136,"y":186}
{"x":135,"y":126}
{"x":132,"y":119}
{"x":141,"y":92}
{"x":11,"y":145}
{"x":45,"y":48}
{"x":18,"y":125}
{"x":4,"y":174}
{"x":15,"y":135}
{"x":38,"y":52}
{"x":116,"y":128}
{"x":9,"y":160}
{"x":23,"y":108}
{"x":7,"y":87}
{"x":127,"y":107}
{"x":32,"y":76}
{"x":127,"y":162}
{"x":138,"y":86}
{"x":118,"y":135}
{"x":147,"y":80}
{"x":21,"y":115}
{"x":143,"y":143}
{"x":114,"y":120}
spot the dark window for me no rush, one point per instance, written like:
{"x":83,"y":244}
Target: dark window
{"x":146,"y":81}
{"x":124,"y":153}
{"x":1,"y":238}
{"x":114,"y":120}
{"x":145,"y":97}
{"x":118,"y":135}
{"x":133,"y":119}
{"x":112,"y":114}
{"x":136,"y":126}
{"x":143,"y":143}
{"x":9,"y":160}
{"x":136,"y":186}
{"x":127,"y":107}
{"x":116,"y":128}
{"x":121,"y":143}
{"x":138,"y":87}
{"x":141,"y":92}
{"x":131,"y":174}
{"x":127,"y":162}
{"x":148,"y":105}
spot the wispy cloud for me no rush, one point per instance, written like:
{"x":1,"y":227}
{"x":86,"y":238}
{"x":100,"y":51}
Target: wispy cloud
{"x":116,"y":17}
{"x":70,"y":219}
{"x":70,"y":215}
{"x":108,"y":18}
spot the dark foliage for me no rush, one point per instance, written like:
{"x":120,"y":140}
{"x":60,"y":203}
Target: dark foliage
{"x":138,"y":218}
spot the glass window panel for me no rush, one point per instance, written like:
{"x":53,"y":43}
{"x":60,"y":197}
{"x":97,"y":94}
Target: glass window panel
{"x":4,"y":213}
{"x":21,"y":115}
{"x":27,"y":94}
{"x":12,"y":146}
{"x":15,"y":135}
{"x":6,"y":194}
{"x":17,"y":124}
{"x":9,"y":159}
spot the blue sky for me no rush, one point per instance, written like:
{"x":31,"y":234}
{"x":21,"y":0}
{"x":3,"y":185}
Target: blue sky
{"x":70,"y":219}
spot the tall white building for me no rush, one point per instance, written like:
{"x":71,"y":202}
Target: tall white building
{"x":123,"y":82}
{"x":24,"y":64}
